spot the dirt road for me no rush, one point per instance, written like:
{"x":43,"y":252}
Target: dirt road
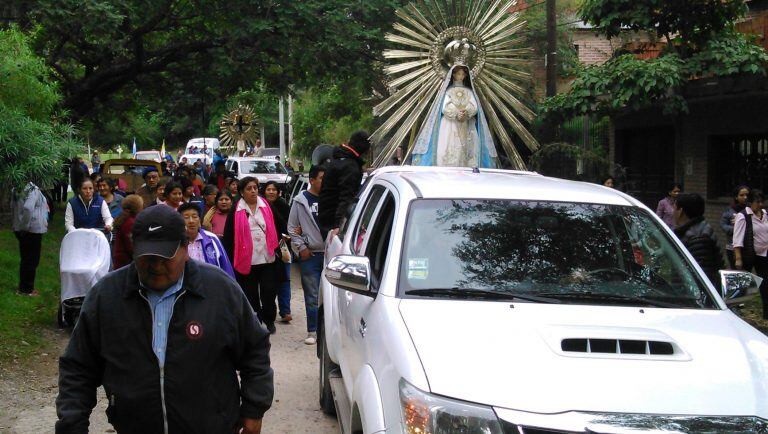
{"x":28,"y":392}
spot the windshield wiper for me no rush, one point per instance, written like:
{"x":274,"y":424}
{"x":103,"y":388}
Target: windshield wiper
{"x":588,"y":295}
{"x":478,"y":293}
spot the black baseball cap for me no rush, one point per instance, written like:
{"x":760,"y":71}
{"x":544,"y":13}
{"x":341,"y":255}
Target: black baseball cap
{"x":158,"y":230}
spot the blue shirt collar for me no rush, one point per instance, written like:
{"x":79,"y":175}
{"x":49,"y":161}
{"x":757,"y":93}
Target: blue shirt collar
{"x":173,"y":289}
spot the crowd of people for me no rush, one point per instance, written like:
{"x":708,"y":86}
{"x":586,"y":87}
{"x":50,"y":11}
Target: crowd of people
{"x":212,"y":202}
{"x":245,"y":228}
{"x":210,"y":263}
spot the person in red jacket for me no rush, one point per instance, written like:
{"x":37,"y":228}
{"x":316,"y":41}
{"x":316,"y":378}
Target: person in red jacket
{"x":122,"y":247}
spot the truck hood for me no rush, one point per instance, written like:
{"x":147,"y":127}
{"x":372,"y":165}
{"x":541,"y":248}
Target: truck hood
{"x":509,"y":355}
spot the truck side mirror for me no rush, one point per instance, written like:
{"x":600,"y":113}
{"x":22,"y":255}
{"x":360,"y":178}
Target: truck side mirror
{"x":738,"y":286}
{"x":351,"y":273}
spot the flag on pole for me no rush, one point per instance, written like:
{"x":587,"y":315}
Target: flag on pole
{"x":133,"y":150}
{"x":162,"y":150}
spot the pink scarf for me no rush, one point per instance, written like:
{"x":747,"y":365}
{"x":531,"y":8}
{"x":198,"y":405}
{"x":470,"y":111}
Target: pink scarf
{"x":243,"y":240}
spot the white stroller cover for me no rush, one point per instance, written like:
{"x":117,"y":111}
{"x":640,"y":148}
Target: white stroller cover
{"x":85,"y":257}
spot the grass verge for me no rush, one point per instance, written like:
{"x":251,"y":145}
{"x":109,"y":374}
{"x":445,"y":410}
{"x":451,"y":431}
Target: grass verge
{"x":22,"y":318}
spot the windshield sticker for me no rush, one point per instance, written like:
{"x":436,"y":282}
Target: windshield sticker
{"x":418,"y":268}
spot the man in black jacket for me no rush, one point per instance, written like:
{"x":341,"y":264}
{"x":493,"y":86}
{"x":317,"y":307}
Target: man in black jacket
{"x":341,"y":182}
{"x":697,"y":235}
{"x":166,"y":337}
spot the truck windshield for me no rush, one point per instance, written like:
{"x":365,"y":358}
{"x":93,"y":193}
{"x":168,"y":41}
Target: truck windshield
{"x":260,"y":167}
{"x":570,"y":252}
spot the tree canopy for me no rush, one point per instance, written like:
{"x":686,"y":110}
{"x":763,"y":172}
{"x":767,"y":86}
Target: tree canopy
{"x":33,"y":139}
{"x":115,"y":59}
{"x":701,"y":42}
{"x":329,"y":114}
{"x":690,"y":23}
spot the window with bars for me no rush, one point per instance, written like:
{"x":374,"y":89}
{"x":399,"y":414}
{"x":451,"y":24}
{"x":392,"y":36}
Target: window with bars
{"x":735,"y":160}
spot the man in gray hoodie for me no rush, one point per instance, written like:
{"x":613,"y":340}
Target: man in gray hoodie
{"x":307,"y":241}
{"x":30,"y":211}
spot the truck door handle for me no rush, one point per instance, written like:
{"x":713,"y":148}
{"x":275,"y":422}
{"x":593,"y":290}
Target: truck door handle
{"x":363,"y":328}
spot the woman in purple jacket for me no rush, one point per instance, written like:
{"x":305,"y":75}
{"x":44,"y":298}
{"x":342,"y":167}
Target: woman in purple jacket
{"x":203,"y":246}
{"x":666,"y":207}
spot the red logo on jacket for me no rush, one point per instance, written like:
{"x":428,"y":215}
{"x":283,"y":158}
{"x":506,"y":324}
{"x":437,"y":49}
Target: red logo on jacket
{"x":194,"y":330}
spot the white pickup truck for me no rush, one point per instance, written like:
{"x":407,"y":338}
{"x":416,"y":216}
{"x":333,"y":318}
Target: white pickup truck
{"x":488,"y":301}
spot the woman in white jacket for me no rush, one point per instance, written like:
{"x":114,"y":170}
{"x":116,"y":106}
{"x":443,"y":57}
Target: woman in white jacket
{"x":30,"y":221}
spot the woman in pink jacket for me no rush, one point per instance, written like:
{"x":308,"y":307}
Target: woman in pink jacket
{"x":250,"y":239}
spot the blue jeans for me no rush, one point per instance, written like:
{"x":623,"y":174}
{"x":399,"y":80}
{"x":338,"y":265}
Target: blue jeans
{"x":311,"y":269}
{"x":284,"y":293}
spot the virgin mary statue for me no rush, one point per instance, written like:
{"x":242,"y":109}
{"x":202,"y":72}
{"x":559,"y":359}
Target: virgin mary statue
{"x":455,"y":132}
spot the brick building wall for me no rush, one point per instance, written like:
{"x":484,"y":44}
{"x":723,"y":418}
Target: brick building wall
{"x":756,"y":23}
{"x":594,"y":49}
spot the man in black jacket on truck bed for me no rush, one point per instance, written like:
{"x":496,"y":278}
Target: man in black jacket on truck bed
{"x":341,"y":183}
{"x":166,"y":337}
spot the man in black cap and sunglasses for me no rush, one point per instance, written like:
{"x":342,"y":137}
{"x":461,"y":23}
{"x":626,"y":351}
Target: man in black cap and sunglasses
{"x":166,"y":337}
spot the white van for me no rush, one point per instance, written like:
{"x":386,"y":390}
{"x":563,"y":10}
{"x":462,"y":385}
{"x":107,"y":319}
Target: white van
{"x":200,"y":143}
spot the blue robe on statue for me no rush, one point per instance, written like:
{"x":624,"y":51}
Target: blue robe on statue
{"x":455,"y":132}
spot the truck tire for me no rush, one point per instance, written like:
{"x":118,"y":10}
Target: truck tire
{"x":326,"y":366}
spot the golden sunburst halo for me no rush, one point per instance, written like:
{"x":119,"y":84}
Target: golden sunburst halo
{"x":239,"y":124}
{"x":430,"y":36}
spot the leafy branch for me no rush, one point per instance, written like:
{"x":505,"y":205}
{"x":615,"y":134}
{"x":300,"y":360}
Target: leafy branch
{"x":704,"y":45}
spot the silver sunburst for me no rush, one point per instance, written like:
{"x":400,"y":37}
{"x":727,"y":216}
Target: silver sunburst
{"x":487,"y":33}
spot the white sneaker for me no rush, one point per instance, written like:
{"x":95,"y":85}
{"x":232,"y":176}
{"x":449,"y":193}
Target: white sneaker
{"x":311,"y":338}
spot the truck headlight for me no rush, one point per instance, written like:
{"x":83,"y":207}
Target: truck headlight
{"x":424,"y":413}
{"x":288,"y":179}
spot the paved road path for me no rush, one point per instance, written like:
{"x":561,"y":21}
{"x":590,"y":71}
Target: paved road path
{"x":28,"y":392}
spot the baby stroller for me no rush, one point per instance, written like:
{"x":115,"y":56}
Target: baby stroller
{"x":84,"y":258}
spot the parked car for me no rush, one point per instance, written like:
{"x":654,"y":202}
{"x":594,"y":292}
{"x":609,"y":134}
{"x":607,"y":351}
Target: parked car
{"x":152,"y":155}
{"x":127,"y":172}
{"x":264,"y":169}
{"x":301,"y":183}
{"x":490,"y":301}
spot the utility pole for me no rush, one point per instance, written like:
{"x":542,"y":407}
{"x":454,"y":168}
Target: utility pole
{"x":290,"y":126}
{"x":550,"y":60}
{"x":281,"y":123}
